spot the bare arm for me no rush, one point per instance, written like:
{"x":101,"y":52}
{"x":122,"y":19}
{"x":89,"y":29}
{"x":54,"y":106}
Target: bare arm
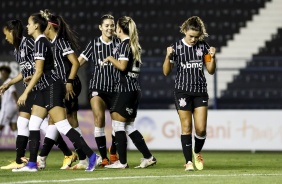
{"x":167,"y":66}
{"x":15,"y":80}
{"x":81,"y":60}
{"x":211,"y":66}
{"x":75,"y":65}
{"x":74,"y":68}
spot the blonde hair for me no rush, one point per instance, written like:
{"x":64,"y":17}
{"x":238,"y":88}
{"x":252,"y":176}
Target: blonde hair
{"x":128,"y":26}
{"x":196,"y":24}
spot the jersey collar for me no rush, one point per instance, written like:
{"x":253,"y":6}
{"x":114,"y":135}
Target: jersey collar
{"x":42,"y":35}
{"x":106,"y":43}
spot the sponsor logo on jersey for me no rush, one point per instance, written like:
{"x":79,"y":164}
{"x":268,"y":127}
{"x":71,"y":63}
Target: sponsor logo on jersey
{"x":133,"y":75}
{"x":193,"y":64}
{"x":37,"y":54}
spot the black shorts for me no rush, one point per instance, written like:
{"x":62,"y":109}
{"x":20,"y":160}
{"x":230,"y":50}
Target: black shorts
{"x":72,"y":104}
{"x":51,"y":96}
{"x":187,"y":101}
{"x":28,"y":103}
{"x":107,"y":97}
{"x":126,"y":103}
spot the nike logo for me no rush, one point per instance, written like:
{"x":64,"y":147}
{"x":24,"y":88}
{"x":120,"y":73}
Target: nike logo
{"x":188,"y":144}
{"x":204,"y":101}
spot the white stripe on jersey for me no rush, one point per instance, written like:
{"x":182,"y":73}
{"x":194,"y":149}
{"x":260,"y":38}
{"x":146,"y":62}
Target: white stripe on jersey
{"x":190,"y":75}
{"x":102,"y":78}
{"x":128,"y":80}
{"x":61,"y":48}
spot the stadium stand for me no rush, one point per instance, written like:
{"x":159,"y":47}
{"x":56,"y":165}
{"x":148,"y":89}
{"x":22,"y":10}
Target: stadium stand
{"x":158,"y":23}
{"x":258,"y":86}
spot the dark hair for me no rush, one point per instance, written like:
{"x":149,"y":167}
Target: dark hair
{"x":16,"y":27}
{"x":104,"y":17}
{"x":5,"y":68}
{"x":62,"y":28}
{"x":39,"y":19}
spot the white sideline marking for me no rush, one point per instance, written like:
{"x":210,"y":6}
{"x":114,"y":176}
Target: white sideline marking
{"x":139,"y":177}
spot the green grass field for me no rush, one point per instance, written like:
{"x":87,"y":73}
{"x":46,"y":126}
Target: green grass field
{"x":220,"y":167}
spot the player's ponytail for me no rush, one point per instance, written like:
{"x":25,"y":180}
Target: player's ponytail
{"x":62,"y":29}
{"x":16,"y":28}
{"x":196,"y":24}
{"x":67,"y":33}
{"x":129,"y":27}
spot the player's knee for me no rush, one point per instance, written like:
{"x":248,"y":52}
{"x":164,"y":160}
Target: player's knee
{"x":201,"y":133}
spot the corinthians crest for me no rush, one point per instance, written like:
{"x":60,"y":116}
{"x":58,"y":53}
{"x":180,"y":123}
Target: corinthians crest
{"x":182,"y":102}
{"x":199,"y":52}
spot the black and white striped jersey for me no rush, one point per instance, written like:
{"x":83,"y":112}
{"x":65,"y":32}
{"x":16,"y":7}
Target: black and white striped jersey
{"x":101,"y":78}
{"x":189,"y":60}
{"x":25,"y":57}
{"x":43,"y":51}
{"x":127,"y":80}
{"x":61,"y":48}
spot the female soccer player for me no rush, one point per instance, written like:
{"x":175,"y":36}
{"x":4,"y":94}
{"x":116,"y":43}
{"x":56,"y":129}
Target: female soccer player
{"x":190,"y":90}
{"x":13,"y":30}
{"x":127,"y":61}
{"x":101,"y":83}
{"x":64,"y":43}
{"x":49,"y":98}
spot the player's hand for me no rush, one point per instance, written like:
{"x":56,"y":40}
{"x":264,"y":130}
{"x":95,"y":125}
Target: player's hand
{"x":3,"y":88}
{"x":106,"y":61}
{"x":27,"y":79}
{"x":212,"y":51}
{"x":22,"y":99}
{"x":169,"y":52}
{"x":69,"y":91}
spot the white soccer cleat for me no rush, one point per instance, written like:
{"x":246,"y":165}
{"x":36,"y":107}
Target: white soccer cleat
{"x":189,"y":166}
{"x":81,"y":165}
{"x":117,"y":165}
{"x":41,"y":162}
{"x":147,"y":162}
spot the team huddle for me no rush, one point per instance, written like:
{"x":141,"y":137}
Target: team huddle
{"x":49,"y":67}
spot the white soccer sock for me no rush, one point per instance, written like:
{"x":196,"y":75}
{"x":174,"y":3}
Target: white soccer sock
{"x":22,"y":124}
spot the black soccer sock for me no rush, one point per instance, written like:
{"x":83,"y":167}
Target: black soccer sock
{"x":140,"y":144}
{"x":80,"y":153}
{"x":113,"y":149}
{"x":186,"y":141}
{"x":199,"y":143}
{"x":63,"y":146}
{"x":34,"y":142}
{"x":101,"y":144}
{"x":47,"y":146}
{"x":78,"y":141}
{"x":21,"y":143}
{"x":121,"y":144}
